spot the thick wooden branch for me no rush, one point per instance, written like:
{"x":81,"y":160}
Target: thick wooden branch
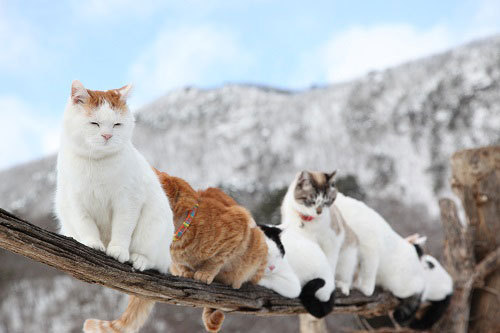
{"x":86,"y":264}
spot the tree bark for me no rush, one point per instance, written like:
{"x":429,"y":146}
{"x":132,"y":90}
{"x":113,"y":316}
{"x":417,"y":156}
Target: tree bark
{"x":92,"y":266}
{"x":459,"y":262}
{"x":476,"y":181}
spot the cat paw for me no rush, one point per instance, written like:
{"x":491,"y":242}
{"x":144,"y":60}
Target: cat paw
{"x":345,"y":288}
{"x":140,"y":262}
{"x":119,"y":253}
{"x":366,"y":290}
{"x":204,"y":277}
{"x":186,"y":274}
{"x":236,"y":284}
{"x":323,"y":294}
{"x":96,"y":244}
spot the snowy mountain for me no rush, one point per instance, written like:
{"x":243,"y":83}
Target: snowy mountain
{"x":393,"y":130}
{"x":390,"y":134}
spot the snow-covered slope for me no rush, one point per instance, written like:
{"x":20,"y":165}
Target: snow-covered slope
{"x":394,"y":130}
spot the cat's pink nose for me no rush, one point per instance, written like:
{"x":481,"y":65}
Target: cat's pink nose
{"x":107,"y":136}
{"x":272,"y":267}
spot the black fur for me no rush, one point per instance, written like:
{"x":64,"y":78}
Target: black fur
{"x":431,"y":314}
{"x":313,"y":305}
{"x":420,"y":252}
{"x":273,"y":233}
{"x":406,"y":309}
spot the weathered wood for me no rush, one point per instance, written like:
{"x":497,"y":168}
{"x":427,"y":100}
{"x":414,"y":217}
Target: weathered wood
{"x":476,"y":180}
{"x":459,"y":262}
{"x":310,"y":324}
{"x":92,"y":266}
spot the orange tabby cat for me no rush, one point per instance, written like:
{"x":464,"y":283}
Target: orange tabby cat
{"x":221,"y":243}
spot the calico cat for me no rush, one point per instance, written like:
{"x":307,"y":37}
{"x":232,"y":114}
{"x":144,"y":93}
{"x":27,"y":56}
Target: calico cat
{"x":308,"y":210}
{"x":107,"y":197}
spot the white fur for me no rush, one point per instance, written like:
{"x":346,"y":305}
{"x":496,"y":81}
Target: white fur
{"x":281,"y":278}
{"x":108,"y":197}
{"x":438,"y":283}
{"x":317,"y":231}
{"x":386,"y":259}
{"x":308,"y":261}
{"x":346,"y":268}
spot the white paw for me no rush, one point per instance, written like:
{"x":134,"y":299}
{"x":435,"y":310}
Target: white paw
{"x":118,"y":252}
{"x":365,"y":289}
{"x":345,"y":288}
{"x":94,"y":243}
{"x":323,"y":294}
{"x":140,"y":262}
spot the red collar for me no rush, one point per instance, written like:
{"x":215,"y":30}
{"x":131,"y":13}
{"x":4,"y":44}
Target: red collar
{"x":307,"y":218}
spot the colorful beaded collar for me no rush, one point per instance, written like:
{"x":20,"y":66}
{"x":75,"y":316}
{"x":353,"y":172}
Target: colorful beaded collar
{"x":187,"y":222}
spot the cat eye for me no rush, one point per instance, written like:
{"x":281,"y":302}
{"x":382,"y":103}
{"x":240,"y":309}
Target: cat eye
{"x":94,"y":123}
{"x":117,"y":124}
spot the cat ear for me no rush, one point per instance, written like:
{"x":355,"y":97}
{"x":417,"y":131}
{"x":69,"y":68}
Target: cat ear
{"x":125,"y":92}
{"x":78,"y":92}
{"x":304,"y":178}
{"x":331,"y":176}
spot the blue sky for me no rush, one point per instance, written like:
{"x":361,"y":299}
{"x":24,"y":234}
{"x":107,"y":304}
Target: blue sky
{"x":162,"y":45}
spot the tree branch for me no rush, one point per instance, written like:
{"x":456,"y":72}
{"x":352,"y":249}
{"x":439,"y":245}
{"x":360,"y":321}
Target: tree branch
{"x":89,"y":265}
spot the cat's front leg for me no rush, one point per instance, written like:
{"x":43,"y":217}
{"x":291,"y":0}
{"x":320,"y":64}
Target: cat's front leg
{"x":125,"y":215}
{"x":84,"y":228}
{"x":210,"y":268}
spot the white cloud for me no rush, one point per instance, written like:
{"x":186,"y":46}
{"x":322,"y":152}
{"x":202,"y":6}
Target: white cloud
{"x":186,"y":56}
{"x":25,"y":135}
{"x":20,"y":47}
{"x":352,"y":52}
{"x":358,"y":50}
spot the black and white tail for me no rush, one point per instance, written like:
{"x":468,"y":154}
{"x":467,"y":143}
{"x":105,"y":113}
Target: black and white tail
{"x":313,"y":305}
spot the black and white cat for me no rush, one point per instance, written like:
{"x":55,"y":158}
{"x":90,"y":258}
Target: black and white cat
{"x":298,"y":267}
{"x":438,"y":288}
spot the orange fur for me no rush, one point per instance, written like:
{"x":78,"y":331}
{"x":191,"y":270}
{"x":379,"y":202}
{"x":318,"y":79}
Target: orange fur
{"x":222,"y":243}
{"x":97,"y":98}
{"x":136,"y":313}
{"x":212,"y":319}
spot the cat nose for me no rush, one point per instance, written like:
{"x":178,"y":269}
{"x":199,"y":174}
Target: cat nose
{"x":319,"y":210}
{"x":272,"y":267}
{"x":107,"y":136}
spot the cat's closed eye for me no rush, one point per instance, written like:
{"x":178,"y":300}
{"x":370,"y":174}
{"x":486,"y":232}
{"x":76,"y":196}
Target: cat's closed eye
{"x":94,"y":123}
{"x":117,"y":124}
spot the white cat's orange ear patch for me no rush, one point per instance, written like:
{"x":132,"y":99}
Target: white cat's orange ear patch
{"x":125,"y":92}
{"x":79,"y":94}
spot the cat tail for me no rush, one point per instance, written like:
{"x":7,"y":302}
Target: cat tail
{"x":313,"y":305}
{"x":431,"y":314}
{"x":134,"y":317}
{"x":406,"y":309}
{"x":212,"y":319}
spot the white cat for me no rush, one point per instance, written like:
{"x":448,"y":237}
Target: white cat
{"x":307,"y":210}
{"x":108,"y":197}
{"x":386,"y":259}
